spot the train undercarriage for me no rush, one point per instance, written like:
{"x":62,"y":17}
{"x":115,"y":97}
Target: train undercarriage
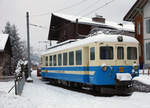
{"x":122,"y":88}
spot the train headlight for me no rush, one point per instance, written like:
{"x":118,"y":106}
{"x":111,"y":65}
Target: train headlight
{"x":120,"y":39}
{"x":104,"y":67}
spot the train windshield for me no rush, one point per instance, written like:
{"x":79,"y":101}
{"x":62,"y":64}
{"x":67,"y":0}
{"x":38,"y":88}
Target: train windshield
{"x":120,"y":53}
{"x":106,"y":52}
{"x":132,"y":53}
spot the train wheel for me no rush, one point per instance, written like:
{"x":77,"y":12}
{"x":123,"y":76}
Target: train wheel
{"x":96,"y":90}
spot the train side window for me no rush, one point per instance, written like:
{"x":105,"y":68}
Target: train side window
{"x":92,"y":53}
{"x":54,"y":60}
{"x":64,"y":58}
{"x":46,"y":60}
{"x":59,"y":60}
{"x":132,"y":53}
{"x":78,"y":57}
{"x":106,"y":52}
{"x":120,"y":53}
{"x":50,"y":60}
{"x":71,"y":58}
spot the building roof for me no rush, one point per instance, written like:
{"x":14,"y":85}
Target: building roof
{"x":81,"y":20}
{"x":136,"y":8}
{"x":3,"y":41}
{"x":89,"y":21}
{"x":58,"y":19}
{"x":91,"y":39}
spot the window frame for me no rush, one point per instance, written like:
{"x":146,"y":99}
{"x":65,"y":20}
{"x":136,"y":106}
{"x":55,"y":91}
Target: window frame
{"x":78,"y":60}
{"x":50,"y":60}
{"x":54,"y":60}
{"x":122,"y":57}
{"x":59,"y":59}
{"x":71,"y":58}
{"x":46,"y":61}
{"x":107,"y":58}
{"x":92,"y":58}
{"x":147,"y":21}
{"x":65,"y":62}
{"x":134,"y":52}
{"x":138,"y":28}
{"x":147,"y":47}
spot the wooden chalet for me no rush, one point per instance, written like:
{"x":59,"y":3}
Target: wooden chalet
{"x":64,"y":27}
{"x":139,"y":14}
{"x":5,"y":55}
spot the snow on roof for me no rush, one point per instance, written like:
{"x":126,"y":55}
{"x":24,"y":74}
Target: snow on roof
{"x":84,"y":20}
{"x":96,"y":38}
{"x":3,"y":41}
{"x":125,"y":27}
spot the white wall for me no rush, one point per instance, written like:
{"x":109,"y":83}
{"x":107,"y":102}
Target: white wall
{"x":146,"y":35}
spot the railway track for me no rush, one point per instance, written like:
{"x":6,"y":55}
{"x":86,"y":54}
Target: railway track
{"x":88,"y":90}
{"x":140,"y":87}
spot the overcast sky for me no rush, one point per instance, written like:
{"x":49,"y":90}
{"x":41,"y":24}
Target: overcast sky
{"x":14,"y":11}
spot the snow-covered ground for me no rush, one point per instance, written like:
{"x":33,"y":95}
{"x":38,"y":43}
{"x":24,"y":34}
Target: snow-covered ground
{"x":41,"y":95}
{"x":143,"y":78}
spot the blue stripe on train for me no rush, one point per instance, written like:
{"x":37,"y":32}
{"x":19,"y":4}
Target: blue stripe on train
{"x":99,"y":78}
{"x":67,"y":77}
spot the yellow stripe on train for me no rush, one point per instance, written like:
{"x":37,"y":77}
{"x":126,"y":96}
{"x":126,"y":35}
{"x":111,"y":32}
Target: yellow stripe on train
{"x":71,"y":72}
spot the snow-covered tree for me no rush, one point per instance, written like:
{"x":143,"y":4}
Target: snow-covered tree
{"x":17,"y":46}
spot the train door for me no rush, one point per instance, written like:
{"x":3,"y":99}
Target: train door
{"x":92,"y":55}
{"x":121,"y":55}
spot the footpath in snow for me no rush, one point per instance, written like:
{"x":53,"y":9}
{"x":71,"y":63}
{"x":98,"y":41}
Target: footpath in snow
{"x":41,"y":95}
{"x":46,"y":96}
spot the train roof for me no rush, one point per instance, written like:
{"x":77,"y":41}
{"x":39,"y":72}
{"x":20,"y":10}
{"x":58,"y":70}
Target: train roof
{"x":92,"y":39}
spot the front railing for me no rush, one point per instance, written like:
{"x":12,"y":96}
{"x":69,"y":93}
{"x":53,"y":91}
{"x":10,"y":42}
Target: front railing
{"x":19,"y":84}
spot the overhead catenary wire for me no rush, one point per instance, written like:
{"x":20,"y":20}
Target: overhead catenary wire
{"x":62,"y":9}
{"x":89,"y":6}
{"x":94,"y":10}
{"x":42,"y":14}
{"x":71,"y":6}
{"x":39,"y":26}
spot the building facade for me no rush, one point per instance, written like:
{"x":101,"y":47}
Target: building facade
{"x":64,"y":27}
{"x":139,"y":14}
{"x":5,"y":55}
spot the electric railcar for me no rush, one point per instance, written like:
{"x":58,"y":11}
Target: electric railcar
{"x":100,"y":62}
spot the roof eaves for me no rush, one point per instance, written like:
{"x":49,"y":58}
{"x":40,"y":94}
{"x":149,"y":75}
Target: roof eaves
{"x":138,"y":4}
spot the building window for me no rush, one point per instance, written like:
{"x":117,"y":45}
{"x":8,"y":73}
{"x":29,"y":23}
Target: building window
{"x":59,"y":60}
{"x":92,"y":53}
{"x":78,"y":57}
{"x":148,"y":51}
{"x":71,"y":58}
{"x":120,"y":53}
{"x":140,"y":50}
{"x":148,"y":26}
{"x":54,"y":60}
{"x":138,"y":28}
{"x":46,"y":60}
{"x":132,"y":53}
{"x":106,"y":52}
{"x":50,"y":60}
{"x":64,"y":58}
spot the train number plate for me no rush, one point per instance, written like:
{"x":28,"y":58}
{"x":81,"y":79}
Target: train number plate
{"x":121,"y":69}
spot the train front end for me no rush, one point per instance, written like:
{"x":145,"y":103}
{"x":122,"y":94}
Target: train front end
{"x":117,"y":64}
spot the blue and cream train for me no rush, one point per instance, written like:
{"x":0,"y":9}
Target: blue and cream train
{"x":98,"y":61}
